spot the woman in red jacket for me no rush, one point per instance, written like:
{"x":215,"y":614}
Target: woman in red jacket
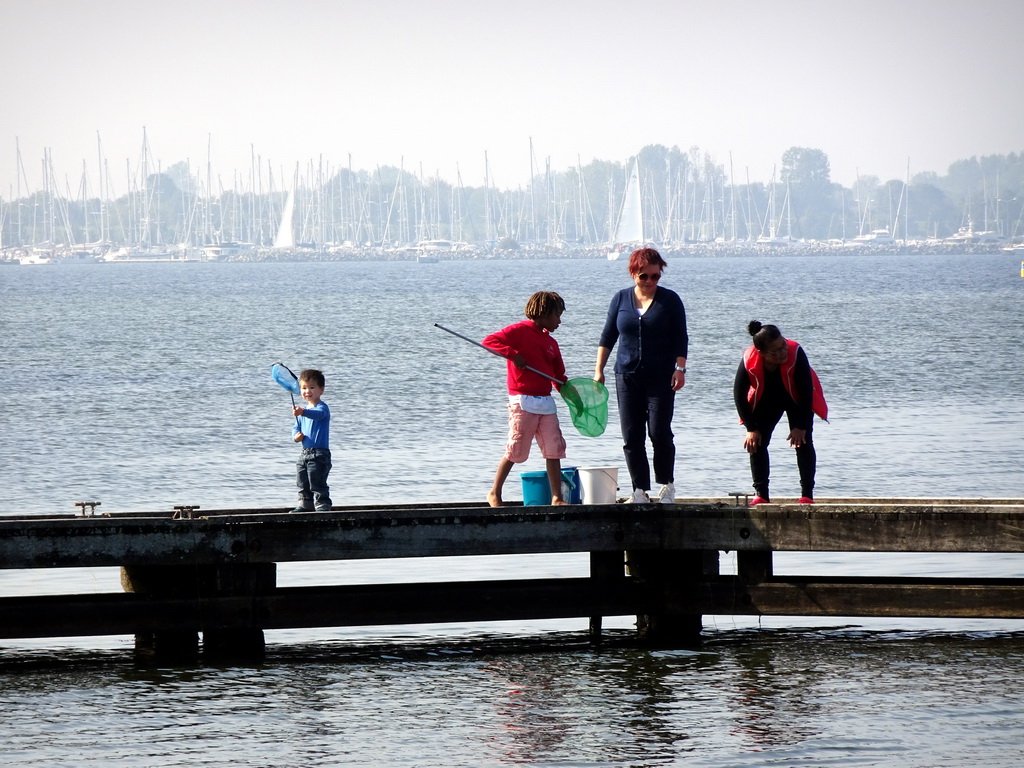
{"x":774,"y":378}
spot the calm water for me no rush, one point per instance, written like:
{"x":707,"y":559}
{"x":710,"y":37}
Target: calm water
{"x":143,"y":386}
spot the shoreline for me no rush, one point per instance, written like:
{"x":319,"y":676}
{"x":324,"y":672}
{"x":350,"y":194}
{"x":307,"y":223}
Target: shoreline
{"x":692,"y":250}
{"x":258,"y":254}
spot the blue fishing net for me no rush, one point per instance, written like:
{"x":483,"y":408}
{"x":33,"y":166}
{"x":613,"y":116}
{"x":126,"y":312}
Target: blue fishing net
{"x":283,"y":375}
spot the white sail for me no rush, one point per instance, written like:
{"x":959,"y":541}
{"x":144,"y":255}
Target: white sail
{"x":286,"y":231}
{"x":629,"y":229}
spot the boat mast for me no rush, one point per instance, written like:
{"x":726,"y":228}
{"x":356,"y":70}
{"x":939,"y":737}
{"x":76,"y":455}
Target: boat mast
{"x":533,"y":196}
{"x":84,"y":191}
{"x":99,"y":169}
{"x":906,"y":207}
{"x":789,"y":214}
{"x":20,"y":171}
{"x":487,"y":199}
{"x":732,"y":198}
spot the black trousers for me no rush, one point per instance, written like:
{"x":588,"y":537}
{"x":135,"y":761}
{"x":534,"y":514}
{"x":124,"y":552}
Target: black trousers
{"x":767,"y":416}
{"x":646,"y":405}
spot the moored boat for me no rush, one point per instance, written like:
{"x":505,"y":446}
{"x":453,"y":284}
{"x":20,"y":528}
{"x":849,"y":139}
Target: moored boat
{"x":874,"y":237}
{"x":629,"y":229}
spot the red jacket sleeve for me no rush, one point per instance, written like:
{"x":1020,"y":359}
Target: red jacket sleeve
{"x":500,"y":342}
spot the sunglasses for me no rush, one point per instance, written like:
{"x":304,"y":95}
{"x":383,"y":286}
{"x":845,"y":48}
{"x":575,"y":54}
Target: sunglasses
{"x":655,"y":276}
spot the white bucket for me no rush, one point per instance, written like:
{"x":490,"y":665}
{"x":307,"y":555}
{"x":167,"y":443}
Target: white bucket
{"x":599,"y":484}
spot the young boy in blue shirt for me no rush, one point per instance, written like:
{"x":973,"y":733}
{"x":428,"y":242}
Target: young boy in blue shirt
{"x":312,"y":429}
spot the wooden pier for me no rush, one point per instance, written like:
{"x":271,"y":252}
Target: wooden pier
{"x":191,"y":571}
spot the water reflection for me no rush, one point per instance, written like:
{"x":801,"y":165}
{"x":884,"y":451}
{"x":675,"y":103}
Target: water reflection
{"x":746,"y":698}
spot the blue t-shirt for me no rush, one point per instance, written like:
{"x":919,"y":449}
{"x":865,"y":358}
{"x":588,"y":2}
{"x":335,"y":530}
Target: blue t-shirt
{"x":315,"y":426}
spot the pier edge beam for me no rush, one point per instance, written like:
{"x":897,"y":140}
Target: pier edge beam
{"x":671,"y":571}
{"x":194,"y":583}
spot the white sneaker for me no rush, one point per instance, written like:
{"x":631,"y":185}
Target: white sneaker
{"x":640,"y":497}
{"x":667,"y":494}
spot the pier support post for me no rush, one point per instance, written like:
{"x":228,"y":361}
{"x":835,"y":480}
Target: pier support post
{"x":605,"y":569}
{"x":670,"y":572}
{"x":174,"y":581}
{"x":237,"y":636}
{"x":247,"y":580}
{"x":753,"y":567}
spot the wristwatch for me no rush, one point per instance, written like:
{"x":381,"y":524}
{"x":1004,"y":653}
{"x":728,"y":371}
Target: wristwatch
{"x":681,"y":369}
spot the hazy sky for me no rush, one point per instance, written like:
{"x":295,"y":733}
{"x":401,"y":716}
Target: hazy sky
{"x":437,"y":83}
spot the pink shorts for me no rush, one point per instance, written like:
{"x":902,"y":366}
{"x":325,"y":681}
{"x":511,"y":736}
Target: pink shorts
{"x":523,"y":427}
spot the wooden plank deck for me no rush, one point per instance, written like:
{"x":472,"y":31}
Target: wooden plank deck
{"x":214,"y":571}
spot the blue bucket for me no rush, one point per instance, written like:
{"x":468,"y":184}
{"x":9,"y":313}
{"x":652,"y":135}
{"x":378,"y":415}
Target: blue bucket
{"x":537,"y":491}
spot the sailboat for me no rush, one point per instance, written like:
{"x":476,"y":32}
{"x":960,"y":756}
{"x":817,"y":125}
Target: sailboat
{"x":629,"y":229}
{"x":286,"y":230}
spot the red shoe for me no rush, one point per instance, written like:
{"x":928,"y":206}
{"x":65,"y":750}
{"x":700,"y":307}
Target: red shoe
{"x":757,"y":500}
{"x":805,"y":500}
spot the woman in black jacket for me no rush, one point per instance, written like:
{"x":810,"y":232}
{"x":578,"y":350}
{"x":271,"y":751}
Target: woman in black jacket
{"x":649,"y":323}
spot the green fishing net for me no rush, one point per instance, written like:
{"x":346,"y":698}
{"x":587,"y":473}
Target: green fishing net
{"x":588,"y":405}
